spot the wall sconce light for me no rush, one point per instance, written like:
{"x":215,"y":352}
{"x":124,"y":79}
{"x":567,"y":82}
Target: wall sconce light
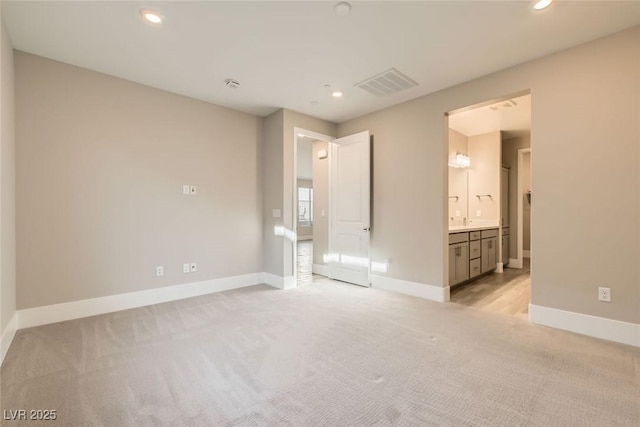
{"x":460,"y":160}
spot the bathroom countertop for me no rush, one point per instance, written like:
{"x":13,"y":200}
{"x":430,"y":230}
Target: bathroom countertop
{"x":470,"y":227}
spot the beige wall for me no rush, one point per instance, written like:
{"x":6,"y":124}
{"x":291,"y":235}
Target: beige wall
{"x":458,"y":182}
{"x":510,"y":149}
{"x":320,"y":203}
{"x":484,"y":178}
{"x":271,"y":173}
{"x":585,"y":103}
{"x":7,"y":185}
{"x":100,"y":167}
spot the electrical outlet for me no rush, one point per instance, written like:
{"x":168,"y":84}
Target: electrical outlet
{"x":604,"y":294}
{"x":159,"y":270}
{"x":194,"y":267}
{"x":193,"y":190}
{"x":186,"y":268}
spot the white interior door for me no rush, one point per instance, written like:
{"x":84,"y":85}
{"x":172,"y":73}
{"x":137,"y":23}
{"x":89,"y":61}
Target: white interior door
{"x":350,"y":209}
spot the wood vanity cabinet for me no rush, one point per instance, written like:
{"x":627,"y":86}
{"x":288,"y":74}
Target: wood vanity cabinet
{"x":489,"y":249}
{"x":475,"y":269}
{"x":505,"y":245}
{"x":458,"y":258}
{"x":471,"y":254}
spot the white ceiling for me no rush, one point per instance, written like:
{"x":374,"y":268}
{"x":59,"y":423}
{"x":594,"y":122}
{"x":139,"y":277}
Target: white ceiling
{"x":283,"y":53}
{"x":512,"y":116}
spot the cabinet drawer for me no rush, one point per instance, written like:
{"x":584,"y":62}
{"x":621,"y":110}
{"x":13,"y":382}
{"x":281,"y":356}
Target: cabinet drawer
{"x":489,"y":233}
{"x":458,"y":238}
{"x":474,"y":249}
{"x":474,"y":235}
{"x":474,"y":268}
{"x":505,"y":231}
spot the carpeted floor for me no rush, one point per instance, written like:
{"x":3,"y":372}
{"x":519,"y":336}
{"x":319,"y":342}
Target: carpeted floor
{"x":326,"y":353}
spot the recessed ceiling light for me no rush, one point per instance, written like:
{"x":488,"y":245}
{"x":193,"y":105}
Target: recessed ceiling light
{"x":542,"y":4}
{"x":336,"y":94}
{"x":151,"y":16}
{"x":342,"y":9}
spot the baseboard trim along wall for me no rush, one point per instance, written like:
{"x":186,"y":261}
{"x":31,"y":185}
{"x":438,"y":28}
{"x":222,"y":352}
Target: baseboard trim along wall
{"x":90,"y":307}
{"x":320,"y":269}
{"x":598,"y":327}
{"x":7,"y":336}
{"x":421,"y":290}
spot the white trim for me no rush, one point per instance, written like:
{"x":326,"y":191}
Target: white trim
{"x":290,"y":282}
{"x":598,"y":327}
{"x":273,"y":280}
{"x":499,"y":268}
{"x":515,"y":263}
{"x":526,"y":254}
{"x":421,"y":290}
{"x":320,"y":269}
{"x":90,"y":307}
{"x":7,"y":336}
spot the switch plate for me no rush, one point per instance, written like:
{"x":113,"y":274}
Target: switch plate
{"x":604,"y":294}
{"x":186,"y":189}
{"x":159,"y":270}
{"x":194,"y":267}
{"x":193,"y":190}
{"x":186,"y":268}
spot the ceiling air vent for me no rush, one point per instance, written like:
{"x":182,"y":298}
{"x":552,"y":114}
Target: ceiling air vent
{"x":386,"y":83}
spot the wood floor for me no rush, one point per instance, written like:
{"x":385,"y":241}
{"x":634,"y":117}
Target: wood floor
{"x":505,"y":293}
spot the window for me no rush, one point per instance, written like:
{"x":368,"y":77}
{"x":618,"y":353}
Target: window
{"x":305,"y":206}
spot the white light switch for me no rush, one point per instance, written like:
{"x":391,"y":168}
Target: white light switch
{"x":186,"y":268}
{"x":322,"y":154}
{"x":186,"y":189}
{"x":193,"y":190}
{"x":275,"y":213}
{"x":159,"y":270}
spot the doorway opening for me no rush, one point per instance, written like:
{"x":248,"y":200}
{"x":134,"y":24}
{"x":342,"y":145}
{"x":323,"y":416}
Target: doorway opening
{"x":311,"y":206}
{"x":331,"y":204}
{"x":489,"y":146}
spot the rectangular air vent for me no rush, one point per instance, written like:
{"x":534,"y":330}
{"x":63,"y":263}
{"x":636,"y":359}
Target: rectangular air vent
{"x":386,"y":83}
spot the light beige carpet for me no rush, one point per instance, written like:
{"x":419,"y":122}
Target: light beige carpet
{"x":323,"y":354}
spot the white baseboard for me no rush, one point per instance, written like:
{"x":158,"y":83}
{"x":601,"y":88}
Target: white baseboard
{"x":515,"y":263}
{"x":7,"y":336}
{"x":421,"y":290}
{"x":289,"y":282}
{"x":90,"y":307}
{"x":499,"y":268}
{"x":320,"y":269}
{"x":598,"y":327}
{"x":526,"y":254}
{"x":273,"y":280}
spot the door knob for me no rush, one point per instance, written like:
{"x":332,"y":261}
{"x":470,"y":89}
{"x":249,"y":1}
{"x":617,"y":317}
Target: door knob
{"x":366,"y":229}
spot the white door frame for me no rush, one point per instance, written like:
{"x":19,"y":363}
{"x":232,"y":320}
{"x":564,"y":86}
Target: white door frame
{"x":520,"y":249}
{"x":318,"y":136}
